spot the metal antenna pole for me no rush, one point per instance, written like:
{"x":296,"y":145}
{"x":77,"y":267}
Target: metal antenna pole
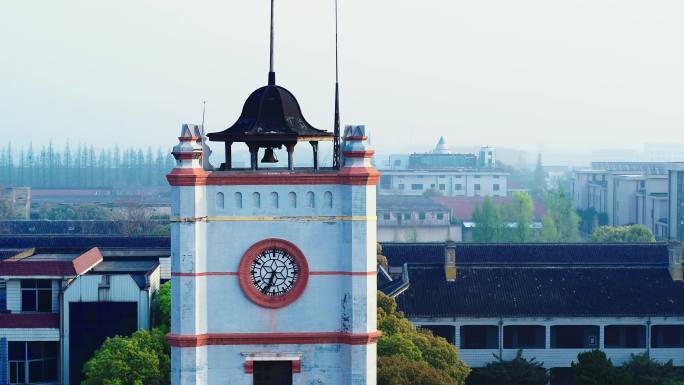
{"x":271,"y":72}
{"x":204,"y":109}
{"x":336,"y":140}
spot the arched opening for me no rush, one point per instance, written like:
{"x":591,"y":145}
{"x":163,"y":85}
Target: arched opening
{"x":238,"y":200}
{"x":292,"y":198}
{"x":256,"y":200}
{"x":220,"y":201}
{"x":274,"y":200}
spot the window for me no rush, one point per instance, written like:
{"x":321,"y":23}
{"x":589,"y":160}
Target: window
{"x":524,"y":337}
{"x":479,"y":337}
{"x":220,"y":201}
{"x":477,"y":187}
{"x":310,"y":199}
{"x":36,"y":295}
{"x":574,"y":336}
{"x":496,"y":177}
{"x":292,"y":198}
{"x":274,"y":200}
{"x":442,"y":187}
{"x":237,"y":197}
{"x":448,"y":332}
{"x":3,"y":296}
{"x":401,"y":186}
{"x":407,"y":216}
{"x":667,"y":336}
{"x":416,"y":187}
{"x":458,"y":186}
{"x":477,"y":177}
{"x":422,"y":216}
{"x":256,"y":200}
{"x":432,"y":185}
{"x":386,"y":216}
{"x":32,"y":362}
{"x":328,"y":199}
{"x":625,"y":336}
{"x":496,"y":187}
{"x":440,"y":216}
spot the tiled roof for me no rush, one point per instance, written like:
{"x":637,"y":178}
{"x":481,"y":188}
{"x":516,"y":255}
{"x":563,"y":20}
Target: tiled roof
{"x":29,"y":321}
{"x":51,"y":266}
{"x":79,"y":241}
{"x":542,"y":291}
{"x":462,"y":207}
{"x":411,"y":203}
{"x":530,"y":253}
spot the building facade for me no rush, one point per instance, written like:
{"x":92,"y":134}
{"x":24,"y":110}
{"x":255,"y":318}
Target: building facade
{"x":273,"y":268}
{"x":57,"y":306}
{"x":448,"y":173}
{"x":554,"y":301}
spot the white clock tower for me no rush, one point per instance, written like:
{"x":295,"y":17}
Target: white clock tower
{"x":273,"y":268}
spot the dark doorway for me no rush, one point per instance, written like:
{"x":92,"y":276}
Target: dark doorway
{"x":272,"y":373}
{"x":90,"y":323}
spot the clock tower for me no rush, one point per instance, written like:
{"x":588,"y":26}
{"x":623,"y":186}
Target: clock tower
{"x":273,"y":268}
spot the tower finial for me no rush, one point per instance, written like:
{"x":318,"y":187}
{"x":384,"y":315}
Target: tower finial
{"x":336,"y":140}
{"x":271,"y":72}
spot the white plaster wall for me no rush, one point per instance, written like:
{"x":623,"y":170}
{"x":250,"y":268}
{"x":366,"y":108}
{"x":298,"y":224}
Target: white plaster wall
{"x":558,"y":357}
{"x":341,"y":238}
{"x":320,"y":364}
{"x":466,"y":179}
{"x":420,"y":233}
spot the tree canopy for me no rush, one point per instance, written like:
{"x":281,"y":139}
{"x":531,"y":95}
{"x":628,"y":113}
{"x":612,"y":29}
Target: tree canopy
{"x":417,"y":354}
{"x":634,"y":233}
{"x":488,"y":224}
{"x":141,"y":359}
{"x":518,"y":371}
{"x":560,"y":211}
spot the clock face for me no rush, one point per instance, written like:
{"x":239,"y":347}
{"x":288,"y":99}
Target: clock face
{"x":274,"y":272}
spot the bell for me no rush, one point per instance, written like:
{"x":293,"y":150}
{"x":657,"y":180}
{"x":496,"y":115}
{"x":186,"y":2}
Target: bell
{"x":269,"y":156}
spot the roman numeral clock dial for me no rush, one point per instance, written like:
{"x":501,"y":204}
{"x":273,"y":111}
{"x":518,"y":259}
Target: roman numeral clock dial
{"x":273,"y":273}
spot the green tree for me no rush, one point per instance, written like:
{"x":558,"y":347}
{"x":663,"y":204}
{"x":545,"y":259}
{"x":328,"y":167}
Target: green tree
{"x":539,"y":187}
{"x":560,"y":207}
{"x":396,"y":370}
{"x":646,"y":371}
{"x":164,"y":305}
{"x":6,"y":209}
{"x":487,"y":222}
{"x":595,"y":368}
{"x":521,"y":212}
{"x":141,"y":359}
{"x":549,"y":231}
{"x":518,"y":371}
{"x":402,"y":341}
{"x":634,"y":233}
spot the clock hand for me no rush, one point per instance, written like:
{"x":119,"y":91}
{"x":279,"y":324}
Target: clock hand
{"x":270,"y":281}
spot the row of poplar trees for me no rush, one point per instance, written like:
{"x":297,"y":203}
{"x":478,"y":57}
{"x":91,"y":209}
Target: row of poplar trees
{"x":83,"y":166}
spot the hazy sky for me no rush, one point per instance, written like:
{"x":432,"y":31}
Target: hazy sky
{"x":550,"y":74}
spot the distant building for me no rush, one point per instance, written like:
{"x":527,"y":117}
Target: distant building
{"x":664,"y":152}
{"x":625,"y":193}
{"x":553,"y":301}
{"x":415,"y":219}
{"x":676,"y":201}
{"x":449,"y":173}
{"x":58,"y":304}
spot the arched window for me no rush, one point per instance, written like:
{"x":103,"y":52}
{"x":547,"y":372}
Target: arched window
{"x":220,"y":201}
{"x":310,"y":199}
{"x":256,"y":200}
{"x":292,"y":197}
{"x":238,"y":200}
{"x":274,"y":200}
{"x":327,"y":199}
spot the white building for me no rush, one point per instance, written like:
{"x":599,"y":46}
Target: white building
{"x":273,"y":268}
{"x":554,"y":301}
{"x":625,"y":193}
{"x":58,"y":305}
{"x":415,"y":219}
{"x":675,"y":209}
{"x":450,"y":173}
